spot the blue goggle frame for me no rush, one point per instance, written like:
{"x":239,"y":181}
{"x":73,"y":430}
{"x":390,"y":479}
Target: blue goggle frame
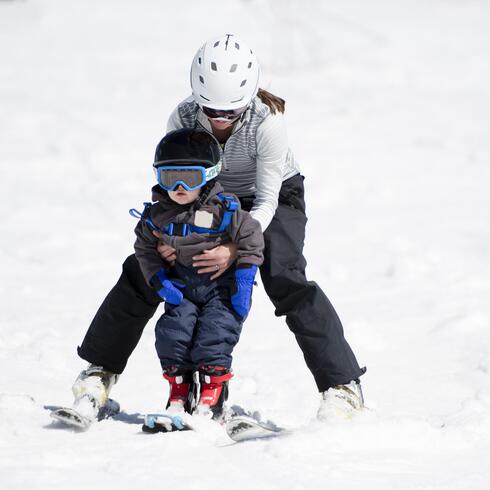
{"x":189,"y":177}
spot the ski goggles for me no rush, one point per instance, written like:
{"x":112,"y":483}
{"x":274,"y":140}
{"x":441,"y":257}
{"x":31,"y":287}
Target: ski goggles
{"x":189,"y":177}
{"x":229,"y":115}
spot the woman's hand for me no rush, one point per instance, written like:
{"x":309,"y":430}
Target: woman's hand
{"x":216,"y":260}
{"x":166,"y":252}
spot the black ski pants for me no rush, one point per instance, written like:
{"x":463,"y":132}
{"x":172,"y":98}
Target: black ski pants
{"x":118,"y":324}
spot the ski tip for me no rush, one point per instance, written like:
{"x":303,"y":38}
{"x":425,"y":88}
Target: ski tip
{"x":71,"y":418}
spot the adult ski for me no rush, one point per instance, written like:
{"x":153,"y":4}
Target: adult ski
{"x":245,"y":428}
{"x":71,"y":417}
{"x":244,"y":425}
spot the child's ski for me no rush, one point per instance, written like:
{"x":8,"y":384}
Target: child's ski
{"x":239,"y":424}
{"x":164,"y":423}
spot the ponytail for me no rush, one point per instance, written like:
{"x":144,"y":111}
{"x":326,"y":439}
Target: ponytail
{"x":275,"y":103}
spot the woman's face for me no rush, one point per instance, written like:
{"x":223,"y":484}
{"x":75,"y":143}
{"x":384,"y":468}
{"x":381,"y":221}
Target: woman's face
{"x":220,"y":124}
{"x":223,"y":119}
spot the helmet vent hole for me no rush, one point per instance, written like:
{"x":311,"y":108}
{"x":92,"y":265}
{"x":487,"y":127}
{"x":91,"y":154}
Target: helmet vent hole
{"x":243,"y":83}
{"x":199,"y":61}
{"x":250,"y":64}
{"x":233,"y":67}
{"x":237,"y":46}
{"x":201,"y":79}
{"x":213,"y":66}
{"x":216,"y":44}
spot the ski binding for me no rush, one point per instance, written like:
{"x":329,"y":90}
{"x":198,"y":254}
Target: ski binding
{"x":164,"y":423}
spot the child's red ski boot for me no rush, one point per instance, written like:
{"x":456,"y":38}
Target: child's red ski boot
{"x":183,"y":390}
{"x":214,"y":390}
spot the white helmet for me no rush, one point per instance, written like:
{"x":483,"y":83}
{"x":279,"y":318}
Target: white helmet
{"x":224,"y":74}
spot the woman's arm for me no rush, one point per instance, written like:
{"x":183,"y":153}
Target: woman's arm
{"x":174,"y":121}
{"x":216,"y":260}
{"x":272,"y":150}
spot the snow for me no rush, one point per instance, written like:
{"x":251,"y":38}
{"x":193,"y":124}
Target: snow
{"x":388,"y":109}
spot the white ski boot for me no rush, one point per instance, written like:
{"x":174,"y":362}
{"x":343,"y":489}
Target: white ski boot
{"x":341,"y":401}
{"x":91,"y":390}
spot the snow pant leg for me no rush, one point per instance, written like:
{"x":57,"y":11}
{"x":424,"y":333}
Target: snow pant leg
{"x":218,"y":331}
{"x":118,"y":324}
{"x":174,"y":332}
{"x":309,"y":313}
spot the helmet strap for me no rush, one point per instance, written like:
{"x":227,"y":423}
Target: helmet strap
{"x":203,"y":196}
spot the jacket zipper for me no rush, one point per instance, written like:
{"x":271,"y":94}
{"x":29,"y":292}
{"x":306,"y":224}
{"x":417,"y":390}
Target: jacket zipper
{"x":226,"y":142}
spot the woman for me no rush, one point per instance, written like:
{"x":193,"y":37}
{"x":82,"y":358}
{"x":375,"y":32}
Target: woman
{"x":261,"y":170}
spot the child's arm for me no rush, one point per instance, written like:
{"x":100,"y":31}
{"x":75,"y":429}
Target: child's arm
{"x":152,"y":266}
{"x":145,"y":249}
{"x":246,"y":232}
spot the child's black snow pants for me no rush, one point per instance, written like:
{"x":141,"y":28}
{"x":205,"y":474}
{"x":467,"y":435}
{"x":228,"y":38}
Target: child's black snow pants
{"x":119,"y":322}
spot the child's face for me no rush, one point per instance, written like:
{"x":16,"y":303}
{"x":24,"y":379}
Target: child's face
{"x":181,"y":196}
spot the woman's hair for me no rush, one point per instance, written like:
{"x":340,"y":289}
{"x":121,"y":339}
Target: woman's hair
{"x":274,"y":102}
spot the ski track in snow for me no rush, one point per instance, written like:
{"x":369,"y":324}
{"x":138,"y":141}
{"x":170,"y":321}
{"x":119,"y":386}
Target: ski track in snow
{"x":388,"y":113}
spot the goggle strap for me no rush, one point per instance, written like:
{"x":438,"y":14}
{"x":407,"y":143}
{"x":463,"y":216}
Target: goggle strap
{"x":213,"y":172}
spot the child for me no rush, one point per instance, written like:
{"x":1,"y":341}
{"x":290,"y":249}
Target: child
{"x":203,"y":317}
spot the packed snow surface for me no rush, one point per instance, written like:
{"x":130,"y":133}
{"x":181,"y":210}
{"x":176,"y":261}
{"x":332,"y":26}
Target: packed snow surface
{"x":388,"y":111}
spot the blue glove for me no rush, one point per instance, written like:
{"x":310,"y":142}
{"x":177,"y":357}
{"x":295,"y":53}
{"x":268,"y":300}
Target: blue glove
{"x":166,"y":288}
{"x":244,"y":280}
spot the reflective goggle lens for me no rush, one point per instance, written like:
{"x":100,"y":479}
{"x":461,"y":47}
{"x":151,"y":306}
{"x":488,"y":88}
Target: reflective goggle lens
{"x":230,"y":115}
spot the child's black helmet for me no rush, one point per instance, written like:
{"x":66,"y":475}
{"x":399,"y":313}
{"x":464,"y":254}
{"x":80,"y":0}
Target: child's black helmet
{"x":188,"y":147}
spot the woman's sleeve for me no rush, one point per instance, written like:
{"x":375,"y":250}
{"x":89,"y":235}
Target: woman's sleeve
{"x":272,"y":150}
{"x":174,"y":121}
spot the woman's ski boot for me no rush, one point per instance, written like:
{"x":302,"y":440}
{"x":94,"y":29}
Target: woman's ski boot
{"x":342,"y":401}
{"x":91,"y":390}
